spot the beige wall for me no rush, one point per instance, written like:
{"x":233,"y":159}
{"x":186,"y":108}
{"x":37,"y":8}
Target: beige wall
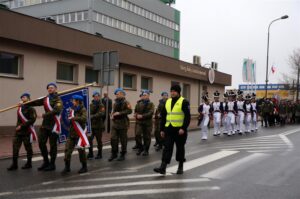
{"x":40,"y":68}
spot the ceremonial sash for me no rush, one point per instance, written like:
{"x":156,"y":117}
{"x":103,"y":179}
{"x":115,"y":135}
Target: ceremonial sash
{"x":33,"y":136}
{"x":83,"y":141}
{"x":57,"y":118}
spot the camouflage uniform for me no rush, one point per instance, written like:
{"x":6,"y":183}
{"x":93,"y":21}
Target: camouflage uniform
{"x":144,"y":125}
{"x":97,"y":111}
{"x":80,"y":116}
{"x":23,"y":136}
{"x":120,"y":125}
{"x":157,"y":121}
{"x":46,"y":133}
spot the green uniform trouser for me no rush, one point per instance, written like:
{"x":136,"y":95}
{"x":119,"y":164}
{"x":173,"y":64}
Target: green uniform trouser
{"x":143,"y":132}
{"x":69,"y":148}
{"x":96,"y":133}
{"x":157,"y":135}
{"x":17,"y":143}
{"x":116,"y":135}
{"x":44,"y":135}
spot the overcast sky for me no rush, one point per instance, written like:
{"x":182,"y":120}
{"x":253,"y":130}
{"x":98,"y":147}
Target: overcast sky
{"x":226,"y":31}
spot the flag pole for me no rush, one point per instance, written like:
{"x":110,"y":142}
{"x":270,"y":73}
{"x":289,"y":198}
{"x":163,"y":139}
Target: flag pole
{"x":59,"y":93}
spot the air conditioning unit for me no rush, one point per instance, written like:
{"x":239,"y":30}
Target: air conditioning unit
{"x":197,"y":60}
{"x":214,"y":65}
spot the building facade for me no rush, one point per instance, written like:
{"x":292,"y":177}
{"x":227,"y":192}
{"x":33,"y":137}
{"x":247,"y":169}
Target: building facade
{"x":34,"y":52}
{"x":148,"y":24}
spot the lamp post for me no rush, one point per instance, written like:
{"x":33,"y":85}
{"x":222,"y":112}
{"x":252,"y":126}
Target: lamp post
{"x":267,"y":67}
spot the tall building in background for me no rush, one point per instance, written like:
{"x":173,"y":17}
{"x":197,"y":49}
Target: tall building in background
{"x":148,"y":24}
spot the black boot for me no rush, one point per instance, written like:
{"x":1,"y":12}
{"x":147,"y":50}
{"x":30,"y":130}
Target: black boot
{"x":161,"y":169}
{"x":90,"y":155}
{"x":121,"y":157}
{"x":14,"y":165}
{"x":112,"y":157}
{"x":140,"y":150}
{"x":83,"y":168}
{"x":158,"y":147}
{"x":67,"y":168}
{"x":99,"y":155}
{"x":135,"y":147}
{"x":28,"y":164}
{"x":45,"y":164}
{"x":51,"y":166}
{"x":180,"y":168}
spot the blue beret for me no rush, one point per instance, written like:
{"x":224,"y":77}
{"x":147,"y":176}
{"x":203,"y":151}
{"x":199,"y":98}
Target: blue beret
{"x":25,"y":94}
{"x":96,"y":93}
{"x":77,"y":97}
{"x":145,"y":92}
{"x":164,"y":93}
{"x":119,"y":90}
{"x":51,"y":84}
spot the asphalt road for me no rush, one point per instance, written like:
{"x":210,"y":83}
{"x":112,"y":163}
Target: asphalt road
{"x":260,"y":165}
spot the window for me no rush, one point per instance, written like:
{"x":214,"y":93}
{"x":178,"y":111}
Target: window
{"x":66,"y":72}
{"x":91,"y":75}
{"x":146,"y":83}
{"x":67,"y":18}
{"x":129,"y":81}
{"x":186,"y":93}
{"x":73,"y":19}
{"x":10,"y":64}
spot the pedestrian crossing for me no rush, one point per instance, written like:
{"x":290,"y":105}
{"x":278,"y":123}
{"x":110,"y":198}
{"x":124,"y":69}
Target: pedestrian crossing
{"x":262,"y":144}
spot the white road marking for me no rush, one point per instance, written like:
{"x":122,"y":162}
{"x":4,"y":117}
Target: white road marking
{"x":134,"y":192}
{"x":6,"y":193}
{"x":203,"y":160}
{"x":127,"y":184}
{"x":234,"y":167}
{"x":290,"y":132}
{"x":254,"y":147}
{"x":116,"y":178}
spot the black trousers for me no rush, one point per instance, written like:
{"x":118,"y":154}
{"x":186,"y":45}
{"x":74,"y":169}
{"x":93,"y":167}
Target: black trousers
{"x":172,"y":137}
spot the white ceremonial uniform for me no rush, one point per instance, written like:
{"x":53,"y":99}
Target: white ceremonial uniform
{"x":230,"y":118}
{"x":217,"y":117}
{"x":225,"y":118}
{"x":241,"y":116}
{"x":254,"y":117}
{"x":248,"y":115}
{"x":205,"y":121}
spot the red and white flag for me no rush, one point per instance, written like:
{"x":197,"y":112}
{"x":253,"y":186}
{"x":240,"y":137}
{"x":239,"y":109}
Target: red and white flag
{"x":273,"y":69}
{"x":33,"y":136}
{"x":57,"y":127}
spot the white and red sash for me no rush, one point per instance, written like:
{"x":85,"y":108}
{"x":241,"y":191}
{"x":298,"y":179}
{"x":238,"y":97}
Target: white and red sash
{"x":33,"y":135}
{"x":57,"y":126}
{"x":83,"y":141}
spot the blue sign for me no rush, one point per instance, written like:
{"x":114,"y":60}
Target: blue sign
{"x":67,"y":102}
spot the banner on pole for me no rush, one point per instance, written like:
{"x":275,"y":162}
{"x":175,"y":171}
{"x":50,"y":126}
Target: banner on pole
{"x":249,"y":71}
{"x":67,"y":102}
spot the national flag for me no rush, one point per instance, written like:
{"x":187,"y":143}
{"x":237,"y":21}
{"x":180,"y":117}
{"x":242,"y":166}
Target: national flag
{"x":273,"y":69}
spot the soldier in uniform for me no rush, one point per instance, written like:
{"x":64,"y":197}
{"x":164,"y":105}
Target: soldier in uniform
{"x":174,"y":123}
{"x":241,"y":112}
{"x":216,"y":110}
{"x":107,"y":102}
{"x":51,"y":126}
{"x":282,"y":109}
{"x":97,"y":114}
{"x":231,"y":110}
{"x":267,"y":110}
{"x":205,"y":110}
{"x":157,"y":119}
{"x":77,"y":134}
{"x":135,"y":127}
{"x":254,"y":114}
{"x":25,"y":133}
{"x":248,"y":113}
{"x":224,"y":114}
{"x":120,"y":125}
{"x":143,"y":114}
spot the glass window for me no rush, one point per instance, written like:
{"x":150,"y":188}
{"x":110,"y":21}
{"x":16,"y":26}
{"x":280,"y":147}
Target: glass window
{"x":129,"y":81}
{"x":85,"y":15}
{"x":73,"y":19}
{"x":186,"y":91}
{"x":91,"y":75}
{"x":65,"y":71}
{"x":146,"y":83}
{"x":79,"y":16}
{"x":60,"y":19}
{"x":9,"y":64}
{"x":67,"y":18}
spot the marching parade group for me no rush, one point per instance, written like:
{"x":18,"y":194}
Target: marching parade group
{"x":237,"y":114}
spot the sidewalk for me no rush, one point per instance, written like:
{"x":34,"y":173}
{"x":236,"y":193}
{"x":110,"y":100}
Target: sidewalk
{"x":6,"y":142}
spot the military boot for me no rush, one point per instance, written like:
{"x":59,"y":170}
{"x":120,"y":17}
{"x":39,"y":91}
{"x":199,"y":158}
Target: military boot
{"x":14,"y":165}
{"x":83,"y":168}
{"x":161,"y":169}
{"x":45,"y":164}
{"x":180,"y":168}
{"x":67,"y":168}
{"x":99,"y":155}
{"x":112,"y":157}
{"x":28,"y":164}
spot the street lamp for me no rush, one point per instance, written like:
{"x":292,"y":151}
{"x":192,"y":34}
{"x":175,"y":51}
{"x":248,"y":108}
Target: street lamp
{"x":267,"y":67}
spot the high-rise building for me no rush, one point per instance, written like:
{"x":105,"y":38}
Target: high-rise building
{"x":149,"y":24}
